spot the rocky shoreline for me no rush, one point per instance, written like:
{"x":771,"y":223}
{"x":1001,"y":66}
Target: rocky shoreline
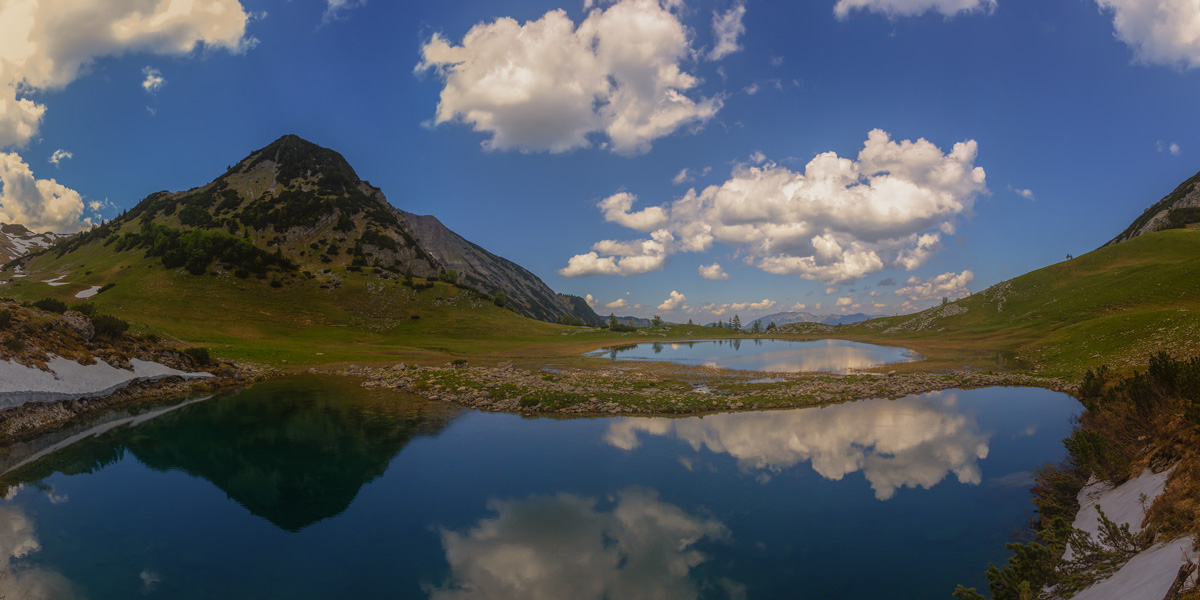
{"x":33,"y":419}
{"x":646,"y":389}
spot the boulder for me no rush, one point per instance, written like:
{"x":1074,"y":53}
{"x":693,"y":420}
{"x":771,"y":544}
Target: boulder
{"x":79,"y":323}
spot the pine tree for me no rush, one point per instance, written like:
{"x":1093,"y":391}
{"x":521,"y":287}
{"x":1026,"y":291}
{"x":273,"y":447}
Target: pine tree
{"x":612,"y":321}
{"x":736,"y":323}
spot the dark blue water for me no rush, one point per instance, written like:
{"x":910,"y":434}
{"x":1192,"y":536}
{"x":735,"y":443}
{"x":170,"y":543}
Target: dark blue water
{"x":312,"y":488}
{"x":786,"y":356}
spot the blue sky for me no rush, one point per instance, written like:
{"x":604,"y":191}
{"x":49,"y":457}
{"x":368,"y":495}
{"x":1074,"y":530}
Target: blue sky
{"x":1075,"y":114}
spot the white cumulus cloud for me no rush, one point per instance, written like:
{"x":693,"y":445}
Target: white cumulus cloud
{"x":912,"y":8}
{"x":39,"y":204}
{"x":836,"y":221}
{"x":617,"y":304}
{"x":677,"y":301}
{"x":727,"y":28}
{"x":59,"y":156}
{"x":547,"y":85}
{"x":713,"y":271}
{"x":335,"y":9}
{"x":946,"y":285}
{"x":47,"y":44}
{"x":1165,"y":32}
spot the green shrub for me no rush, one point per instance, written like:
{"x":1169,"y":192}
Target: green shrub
{"x":105,"y":288}
{"x":86,"y":308}
{"x":275,"y":283}
{"x":500,"y":299}
{"x":109,"y":326}
{"x":6,"y":317}
{"x":198,"y":355}
{"x":51,"y":305}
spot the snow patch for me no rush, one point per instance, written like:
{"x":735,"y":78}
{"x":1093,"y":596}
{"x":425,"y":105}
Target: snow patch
{"x":1146,"y":576}
{"x":1122,"y":504}
{"x":68,"y":379}
{"x":88,"y":293}
{"x":56,"y":281}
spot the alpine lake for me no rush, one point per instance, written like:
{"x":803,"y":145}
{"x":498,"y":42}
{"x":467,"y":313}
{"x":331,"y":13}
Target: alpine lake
{"x":314,"y":487}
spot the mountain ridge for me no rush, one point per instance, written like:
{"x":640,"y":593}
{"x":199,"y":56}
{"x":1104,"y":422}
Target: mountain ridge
{"x":293,"y":207}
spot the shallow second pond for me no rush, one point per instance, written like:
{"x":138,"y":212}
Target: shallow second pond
{"x":781,"y":356}
{"x":313,"y":488}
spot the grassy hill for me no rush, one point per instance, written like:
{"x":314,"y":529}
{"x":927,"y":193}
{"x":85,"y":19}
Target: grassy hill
{"x":1116,"y":305}
{"x":335,"y":314}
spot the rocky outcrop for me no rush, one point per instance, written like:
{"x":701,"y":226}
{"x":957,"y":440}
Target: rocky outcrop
{"x":80,"y":324}
{"x":1180,"y":208}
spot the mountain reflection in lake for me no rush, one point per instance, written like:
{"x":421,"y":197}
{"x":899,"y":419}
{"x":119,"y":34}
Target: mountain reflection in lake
{"x":315,"y":488}
{"x":784,"y":356}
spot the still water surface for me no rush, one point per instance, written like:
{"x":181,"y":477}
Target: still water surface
{"x":786,"y":356}
{"x":313,"y":488}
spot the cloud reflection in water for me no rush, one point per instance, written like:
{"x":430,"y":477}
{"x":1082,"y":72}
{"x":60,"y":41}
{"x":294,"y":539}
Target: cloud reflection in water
{"x":915,"y":441}
{"x":568,"y":546}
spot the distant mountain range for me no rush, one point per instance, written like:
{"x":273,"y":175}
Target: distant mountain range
{"x":296,"y":203}
{"x":17,"y":241}
{"x":785,"y":318}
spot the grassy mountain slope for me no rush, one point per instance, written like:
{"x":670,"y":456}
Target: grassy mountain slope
{"x":294,"y":206}
{"x":1116,"y":305}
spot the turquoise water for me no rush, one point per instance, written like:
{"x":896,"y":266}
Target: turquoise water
{"x":787,"y":356}
{"x":312,"y":488}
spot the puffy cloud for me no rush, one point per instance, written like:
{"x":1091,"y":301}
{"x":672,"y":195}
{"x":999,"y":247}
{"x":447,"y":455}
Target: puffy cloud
{"x":635,"y":257}
{"x":59,"y":156}
{"x":567,"y":546}
{"x":720,"y":309}
{"x":836,"y":221}
{"x":617,"y":304}
{"x":39,"y":204}
{"x":916,"y":441}
{"x":844,"y":301}
{"x":829,"y":291}
{"x":946,"y":285}
{"x":1174,"y":149}
{"x":799,"y":306}
{"x":677,"y":301}
{"x":617,"y":210}
{"x":547,"y":85}
{"x":713,"y":271}
{"x":682,"y":177}
{"x":757,"y":157}
{"x":1165,"y":32}
{"x":727,"y":28}
{"x":46,"y":44}
{"x":154,"y":80}
{"x":591,"y":300}
{"x":912,"y":8}
{"x":1025,"y":193}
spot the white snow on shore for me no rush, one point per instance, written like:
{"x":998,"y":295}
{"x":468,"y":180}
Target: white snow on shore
{"x":1146,"y":576}
{"x":88,"y":293}
{"x":57,"y":281}
{"x":1150,"y":574}
{"x":68,"y":379}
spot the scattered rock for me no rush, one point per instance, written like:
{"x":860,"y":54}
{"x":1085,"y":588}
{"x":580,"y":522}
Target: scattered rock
{"x":78,"y":323}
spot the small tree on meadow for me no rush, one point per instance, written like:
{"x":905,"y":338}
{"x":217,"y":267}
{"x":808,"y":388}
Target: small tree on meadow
{"x":736,"y":323}
{"x":656,"y":321}
{"x":612,"y":321}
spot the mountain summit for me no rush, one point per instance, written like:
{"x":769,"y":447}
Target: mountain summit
{"x":296,"y":205}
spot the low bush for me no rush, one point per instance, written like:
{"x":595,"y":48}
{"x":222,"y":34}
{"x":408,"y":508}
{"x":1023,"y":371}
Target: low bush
{"x":199,"y":356}
{"x":109,"y":326}
{"x":51,"y":305}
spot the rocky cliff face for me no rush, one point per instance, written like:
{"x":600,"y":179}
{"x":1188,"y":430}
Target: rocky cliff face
{"x":1179,"y":209}
{"x":17,"y":241}
{"x":527,"y":294}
